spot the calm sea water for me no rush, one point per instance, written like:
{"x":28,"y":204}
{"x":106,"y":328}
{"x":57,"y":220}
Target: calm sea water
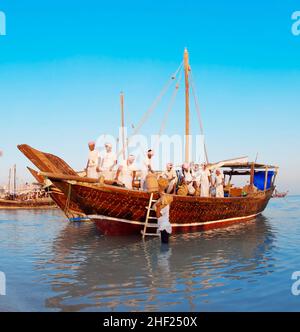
{"x":53,"y":265}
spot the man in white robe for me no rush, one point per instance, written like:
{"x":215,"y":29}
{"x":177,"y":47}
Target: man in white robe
{"x":171,"y":176}
{"x":126,"y":172}
{"x":205,"y":181}
{"x":93,"y":161}
{"x":219,"y":183}
{"x":147,"y":167}
{"x":108,"y":162}
{"x":196,"y":174}
{"x":188,"y":178}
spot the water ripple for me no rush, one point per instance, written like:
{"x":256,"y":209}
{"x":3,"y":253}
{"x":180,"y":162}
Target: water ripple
{"x":53,"y":265}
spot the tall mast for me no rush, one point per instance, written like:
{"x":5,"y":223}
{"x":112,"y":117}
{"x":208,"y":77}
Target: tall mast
{"x":9,"y":182}
{"x":187,"y":104}
{"x":122,"y":124}
{"x":15,"y":181}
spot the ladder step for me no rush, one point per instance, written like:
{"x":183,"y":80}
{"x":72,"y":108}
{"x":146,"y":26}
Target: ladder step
{"x":149,"y":234}
{"x":152,"y":225}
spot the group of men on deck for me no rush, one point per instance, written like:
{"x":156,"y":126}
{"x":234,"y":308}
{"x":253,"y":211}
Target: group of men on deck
{"x":197,"y":178}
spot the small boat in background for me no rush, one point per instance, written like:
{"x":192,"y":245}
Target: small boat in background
{"x":30,"y":197}
{"x":14,"y":204}
{"x":278,"y":194}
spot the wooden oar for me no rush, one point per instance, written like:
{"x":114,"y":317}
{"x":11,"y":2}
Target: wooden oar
{"x":63,"y":177}
{"x":56,"y":176}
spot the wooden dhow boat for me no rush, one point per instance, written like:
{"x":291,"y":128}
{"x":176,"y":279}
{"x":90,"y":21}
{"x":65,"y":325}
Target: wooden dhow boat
{"x":120,"y":211}
{"x":278,"y":194}
{"x":41,"y":203}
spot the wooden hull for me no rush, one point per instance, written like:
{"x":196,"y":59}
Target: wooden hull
{"x":118,"y":211}
{"x":117,"y":227}
{"x":71,"y":210}
{"x":30,"y":204}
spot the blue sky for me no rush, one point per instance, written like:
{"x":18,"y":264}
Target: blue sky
{"x":63,"y":64}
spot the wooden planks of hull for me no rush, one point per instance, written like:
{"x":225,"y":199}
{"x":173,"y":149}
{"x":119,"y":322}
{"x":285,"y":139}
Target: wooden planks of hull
{"x":115,"y":227}
{"x":70,"y":209}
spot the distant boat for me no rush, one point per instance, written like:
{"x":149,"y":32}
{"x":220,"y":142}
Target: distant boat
{"x":37,"y":199}
{"x":40,"y":203}
{"x":278,"y":194}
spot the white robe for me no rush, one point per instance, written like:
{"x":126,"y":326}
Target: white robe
{"x":93,"y":163}
{"x":163,"y":221}
{"x":219,"y":185}
{"x":204,"y":182}
{"x":172,"y":177}
{"x":126,"y":174}
{"x":189,"y":178}
{"x":108,"y":161}
{"x":144,"y":172}
{"x":197,"y":177}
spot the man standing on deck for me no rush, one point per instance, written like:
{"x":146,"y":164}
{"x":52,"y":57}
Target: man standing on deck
{"x":188,"y":178}
{"x":147,"y":167}
{"x":205,"y":181}
{"x":93,"y":162}
{"x":196,"y":174}
{"x":171,"y":176}
{"x":108,"y":162}
{"x":219,"y":183}
{"x":126,"y":172}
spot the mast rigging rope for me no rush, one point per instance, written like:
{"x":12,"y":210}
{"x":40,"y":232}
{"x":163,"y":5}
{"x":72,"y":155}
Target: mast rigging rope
{"x":198,"y":113}
{"x":152,"y":107}
{"x":171,"y":104}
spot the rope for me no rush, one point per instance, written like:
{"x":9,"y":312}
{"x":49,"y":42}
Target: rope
{"x":198,"y":113}
{"x":152,"y":107}
{"x":66,"y":210}
{"x":197,"y":105}
{"x":170,"y":106}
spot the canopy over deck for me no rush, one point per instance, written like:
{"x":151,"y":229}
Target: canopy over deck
{"x":248,"y":165}
{"x":262,"y":176}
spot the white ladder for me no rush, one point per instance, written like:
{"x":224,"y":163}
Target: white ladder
{"x":148,"y":217}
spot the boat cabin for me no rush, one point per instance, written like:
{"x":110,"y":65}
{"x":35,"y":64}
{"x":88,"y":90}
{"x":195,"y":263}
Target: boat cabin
{"x":261,"y":178}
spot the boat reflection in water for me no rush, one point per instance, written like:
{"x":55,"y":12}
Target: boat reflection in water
{"x":90,"y":272}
